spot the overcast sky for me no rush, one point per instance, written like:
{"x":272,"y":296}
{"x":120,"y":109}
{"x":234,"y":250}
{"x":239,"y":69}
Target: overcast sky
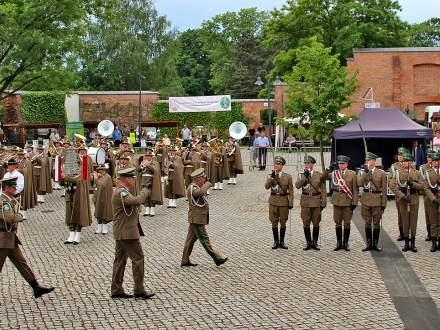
{"x":185,"y":14}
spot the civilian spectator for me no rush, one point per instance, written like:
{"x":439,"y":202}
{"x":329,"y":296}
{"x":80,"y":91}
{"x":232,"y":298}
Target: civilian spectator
{"x":166,"y":140}
{"x":54,"y":136}
{"x":92,"y":134}
{"x":418,"y":154}
{"x":261,"y":128}
{"x":251,"y":132}
{"x":186,"y":135}
{"x":117,"y":135}
{"x":436,"y":141}
{"x":290,"y":140}
{"x":262,"y":143}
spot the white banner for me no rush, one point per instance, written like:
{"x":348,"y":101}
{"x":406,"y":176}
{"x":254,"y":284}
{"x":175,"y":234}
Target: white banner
{"x":200,"y":103}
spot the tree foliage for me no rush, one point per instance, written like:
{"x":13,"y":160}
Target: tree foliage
{"x":425,"y":34}
{"x":36,"y":36}
{"x":319,"y":89}
{"x":340,"y":25}
{"x":233,"y":42}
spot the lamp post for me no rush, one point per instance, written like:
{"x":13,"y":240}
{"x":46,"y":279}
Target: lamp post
{"x":259,"y":82}
{"x":140,"y":102}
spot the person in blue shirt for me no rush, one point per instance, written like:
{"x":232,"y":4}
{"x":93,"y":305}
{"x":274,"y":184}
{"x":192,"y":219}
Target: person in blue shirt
{"x":117,"y":135}
{"x":262,"y":143}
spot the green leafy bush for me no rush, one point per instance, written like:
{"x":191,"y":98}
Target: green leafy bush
{"x":43,"y":107}
{"x":264,"y":116}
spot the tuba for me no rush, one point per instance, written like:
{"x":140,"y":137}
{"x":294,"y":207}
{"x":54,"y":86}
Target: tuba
{"x":237,"y":130}
{"x":106,"y":128}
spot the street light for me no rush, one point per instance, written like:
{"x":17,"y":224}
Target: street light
{"x":259,"y":82}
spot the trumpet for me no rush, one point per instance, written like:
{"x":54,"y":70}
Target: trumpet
{"x":6,"y":158}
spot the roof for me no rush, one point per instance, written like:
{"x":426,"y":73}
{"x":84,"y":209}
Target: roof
{"x":382,"y":123}
{"x":396,"y":49}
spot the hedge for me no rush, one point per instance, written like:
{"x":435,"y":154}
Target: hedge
{"x":43,"y":107}
{"x":219,"y":120}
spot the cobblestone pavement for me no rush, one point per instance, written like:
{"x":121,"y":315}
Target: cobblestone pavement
{"x":257,"y":287}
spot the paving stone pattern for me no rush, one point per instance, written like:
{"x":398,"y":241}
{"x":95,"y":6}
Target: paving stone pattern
{"x":257,"y":287}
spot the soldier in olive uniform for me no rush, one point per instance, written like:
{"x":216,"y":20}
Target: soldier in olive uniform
{"x":426,"y":202}
{"x":9,"y":242}
{"x":127,"y":231}
{"x":373,"y":200}
{"x":280,"y":201}
{"x":432,"y":200}
{"x":345,"y":198}
{"x":313,"y":200}
{"x":396,"y":166}
{"x":198,"y":218}
{"x":406,"y":184}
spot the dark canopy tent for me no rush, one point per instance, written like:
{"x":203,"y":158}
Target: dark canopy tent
{"x":385,"y":130}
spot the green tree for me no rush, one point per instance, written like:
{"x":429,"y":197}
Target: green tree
{"x":234,"y":45}
{"x":129,"y":39}
{"x":339,"y":24}
{"x":319,"y":89}
{"x":35,"y":36}
{"x":425,"y":34}
{"x":193,"y":64}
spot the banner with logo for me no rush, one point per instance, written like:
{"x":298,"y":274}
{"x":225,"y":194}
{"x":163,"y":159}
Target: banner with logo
{"x":200,"y":103}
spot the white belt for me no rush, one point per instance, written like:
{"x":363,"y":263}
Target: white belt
{"x":145,"y":174}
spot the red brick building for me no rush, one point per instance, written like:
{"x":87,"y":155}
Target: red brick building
{"x":402,"y":78}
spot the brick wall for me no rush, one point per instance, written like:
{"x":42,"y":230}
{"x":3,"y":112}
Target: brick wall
{"x":399,"y":77}
{"x":122,"y":109}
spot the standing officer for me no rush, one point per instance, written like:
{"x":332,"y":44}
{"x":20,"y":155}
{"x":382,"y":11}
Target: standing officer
{"x":345,"y":198}
{"x":426,"y":202}
{"x":432,"y":200}
{"x":313,"y":200}
{"x":406,"y":184}
{"x":198,"y":218}
{"x":396,"y":166}
{"x":127,"y":231}
{"x":373,"y":200}
{"x":280,"y":201}
{"x":9,"y":242}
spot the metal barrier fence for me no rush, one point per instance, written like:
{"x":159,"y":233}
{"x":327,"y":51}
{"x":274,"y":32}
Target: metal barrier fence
{"x":294,"y":156}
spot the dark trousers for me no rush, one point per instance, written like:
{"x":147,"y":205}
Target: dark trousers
{"x":19,"y":261}
{"x":185,"y":143}
{"x":262,"y":155}
{"x":129,"y":248}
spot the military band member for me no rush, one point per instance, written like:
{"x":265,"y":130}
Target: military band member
{"x":149,"y":170}
{"x":394,"y":167}
{"x":313,"y":200}
{"x":280,"y":201}
{"x":191,"y":162}
{"x":407,"y":184}
{"x":432,"y":208}
{"x":42,"y":175}
{"x":233,"y":156}
{"x":218,"y":166}
{"x":102,"y":198}
{"x":205,"y":157}
{"x":174,"y":186}
{"x":82,"y":153}
{"x":344,"y":199}
{"x":373,"y":200}
{"x":426,"y":202}
{"x":126,"y":232}
{"x":198,"y":218}
{"x":9,"y":241}
{"x":29,"y":194}
{"x":78,"y":214}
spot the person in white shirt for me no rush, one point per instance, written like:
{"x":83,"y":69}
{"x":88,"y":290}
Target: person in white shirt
{"x":436,"y":141}
{"x":13,"y":173}
{"x":54,"y":136}
{"x":166,"y":140}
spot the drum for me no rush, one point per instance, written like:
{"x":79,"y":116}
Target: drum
{"x":100,"y":156}
{"x":92,"y":151}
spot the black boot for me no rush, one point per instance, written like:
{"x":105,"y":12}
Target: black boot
{"x":346,"y":238}
{"x":276,"y":240}
{"x":433,"y":245}
{"x":282,"y":235}
{"x":428,"y":237}
{"x":315,"y":245}
{"x":338,"y":239}
{"x":400,"y":238}
{"x":308,"y":236}
{"x":413,"y":244}
{"x":406,"y":246}
{"x":369,"y":240}
{"x":40,"y":290}
{"x":376,"y":233}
